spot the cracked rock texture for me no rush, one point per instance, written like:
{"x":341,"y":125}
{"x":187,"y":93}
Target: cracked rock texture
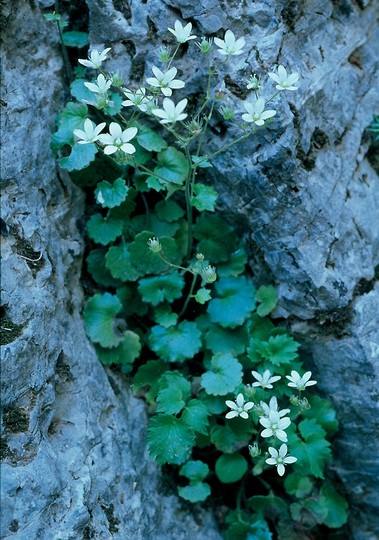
{"x":305,"y":196}
{"x":73,"y":448}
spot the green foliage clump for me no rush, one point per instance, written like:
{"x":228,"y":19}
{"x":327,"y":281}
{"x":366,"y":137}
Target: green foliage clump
{"x":222,"y":382}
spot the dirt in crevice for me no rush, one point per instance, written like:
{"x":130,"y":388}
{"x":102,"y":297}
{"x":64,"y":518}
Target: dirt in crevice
{"x":9,"y":331}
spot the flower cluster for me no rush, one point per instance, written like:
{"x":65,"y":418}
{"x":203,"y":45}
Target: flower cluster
{"x":273,"y":419}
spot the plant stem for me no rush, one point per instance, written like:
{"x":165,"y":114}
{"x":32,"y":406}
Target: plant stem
{"x":66,"y":59}
{"x":223,"y":148}
{"x":189,"y":296}
{"x":188,"y":193}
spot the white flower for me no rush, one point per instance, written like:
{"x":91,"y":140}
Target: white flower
{"x":171,"y":113}
{"x":101,"y":87}
{"x":265,"y":380}
{"x":284,"y":81}
{"x":272,"y":406}
{"x":239,"y":407}
{"x":181,"y":33}
{"x":90,"y":133}
{"x":118,"y":139}
{"x":280,"y":458}
{"x":165,"y":81}
{"x":95,"y":59}
{"x":275,"y":426}
{"x":256,"y":112}
{"x":229,"y":46}
{"x":137,"y":98}
{"x":300,"y":382}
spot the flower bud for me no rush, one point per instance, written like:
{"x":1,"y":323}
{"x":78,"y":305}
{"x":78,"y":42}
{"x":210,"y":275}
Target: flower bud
{"x":205,"y":45}
{"x":304,"y":404}
{"x":117,"y":80}
{"x":164,"y":55}
{"x":154,"y":245}
{"x":200,"y":257}
{"x":253,"y":83}
{"x":209,"y":274}
{"x":227,"y":113}
{"x":294,"y":400}
{"x":254,"y":450}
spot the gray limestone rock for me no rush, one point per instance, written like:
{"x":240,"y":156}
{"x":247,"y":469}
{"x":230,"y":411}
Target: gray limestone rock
{"x":302,"y":192}
{"x":73,"y":443}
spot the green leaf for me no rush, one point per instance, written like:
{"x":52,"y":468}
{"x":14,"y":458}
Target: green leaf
{"x":201,"y":162}
{"x":224,"y":376}
{"x":73,"y":116}
{"x":149,"y":139}
{"x":111,"y":195}
{"x":298,"y":485}
{"x":216,"y":238}
{"x":99,"y":319}
{"x":104,"y":230}
{"x":96,"y":267}
{"x":270,"y":506}
{"x":195,"y":471}
{"x":203,"y":295}
{"x":235,"y":304}
{"x":228,"y":440}
{"x":336,"y":507}
{"x":124,"y":210}
{"x":309,"y":512}
{"x":235,"y":265}
{"x":173,"y":166}
{"x":75,"y":39}
{"x":131,"y":301}
{"x":164,"y":316}
{"x":147,"y":262}
{"x":205,"y":198}
{"x":176,"y":344}
{"x":174,"y":390}
{"x":223,"y":340}
{"x":148,"y":375}
{"x":81,"y":156}
{"x":230,"y":467}
{"x":79,"y":91}
{"x":313,"y":451}
{"x":169,"y":211}
{"x":324,"y":414}
{"x":268,"y":298}
{"x":155,"y":290}
{"x":196,"y":415}
{"x":118,"y":262}
{"x":281,"y":349}
{"x":170,"y":440}
{"x":125,"y":353}
{"x":195,"y":493}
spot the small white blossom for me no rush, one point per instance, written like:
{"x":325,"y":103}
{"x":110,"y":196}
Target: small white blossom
{"x":280,"y":458}
{"x":181,"y":33}
{"x":137,"y":98}
{"x":284,"y":81}
{"x":101,"y":86}
{"x":256,"y":112}
{"x":275,"y":426}
{"x":300,"y":382}
{"x":118,"y":139}
{"x":165,"y":81}
{"x":239,"y":407}
{"x":209,"y":274}
{"x":91,"y":132}
{"x":95,"y":58}
{"x":265,"y":380}
{"x":229,"y":46}
{"x":171,"y":113}
{"x":273,"y":406}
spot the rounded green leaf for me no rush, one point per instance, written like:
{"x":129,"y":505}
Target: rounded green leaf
{"x":80,"y":157}
{"x":235,"y":303}
{"x":99,"y":319}
{"x":194,"y":470}
{"x":117,"y":260}
{"x":74,"y":38}
{"x":195,"y":493}
{"x":335,"y":505}
{"x":231,"y":468}
{"x":204,"y":198}
{"x":111,"y":195}
{"x":176,"y":343}
{"x":170,"y":440}
{"x":98,"y":270}
{"x":224,"y":376}
{"x":125,"y":353}
{"x":104,"y":230}
{"x":268,"y":298}
{"x":147,"y":262}
{"x":155,"y":290}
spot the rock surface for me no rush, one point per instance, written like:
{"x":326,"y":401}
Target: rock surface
{"x":75,"y":463}
{"x":73,"y":444}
